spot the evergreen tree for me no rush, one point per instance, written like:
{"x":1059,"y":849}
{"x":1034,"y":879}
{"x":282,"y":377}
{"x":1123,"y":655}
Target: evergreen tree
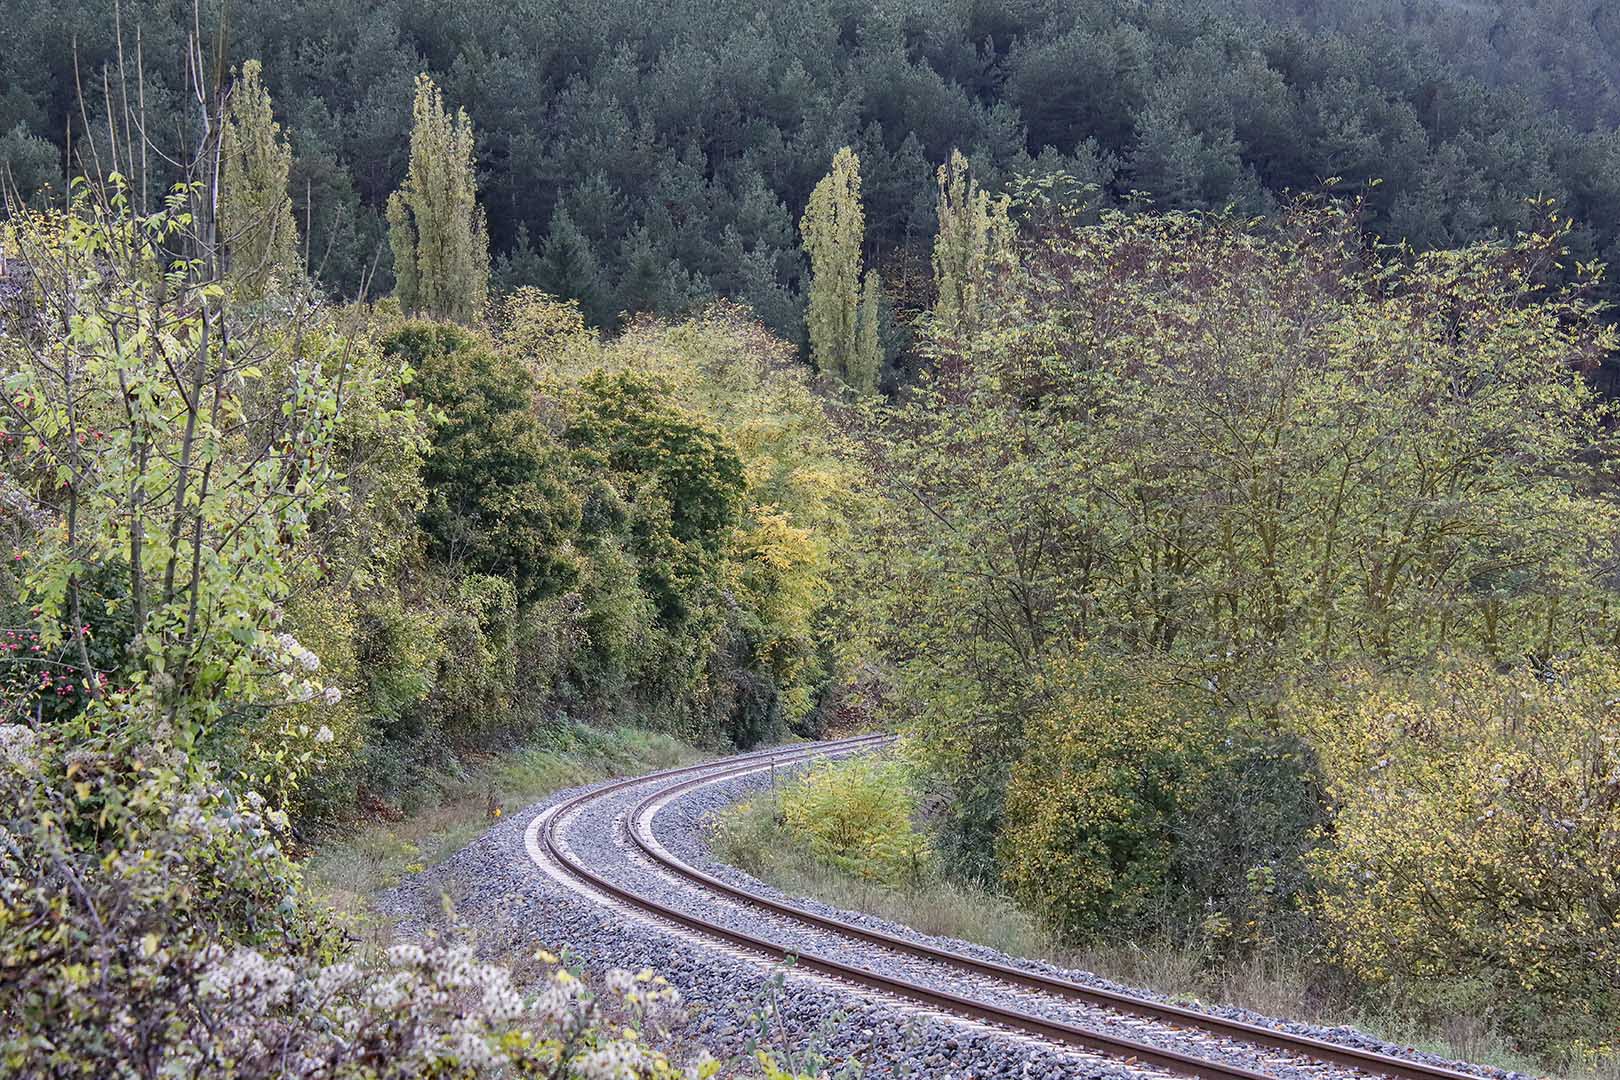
{"x":867,"y":359}
{"x":643,"y":286}
{"x":29,"y":164}
{"x":255,"y":214}
{"x":569,"y":267}
{"x":626,"y":132}
{"x":519,"y":267}
{"x":1184,"y":163}
{"x":436,"y":228}
{"x":975,"y":236}
{"x":833,"y":227}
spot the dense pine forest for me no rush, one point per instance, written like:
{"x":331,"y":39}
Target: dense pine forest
{"x":643,"y":157}
{"x":1177,"y":422}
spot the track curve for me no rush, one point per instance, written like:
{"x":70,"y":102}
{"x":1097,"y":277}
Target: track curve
{"x":1294,"y":1054}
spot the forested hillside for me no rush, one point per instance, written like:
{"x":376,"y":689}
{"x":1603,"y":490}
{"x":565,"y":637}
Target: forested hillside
{"x":1560,"y":54}
{"x":642,"y":157}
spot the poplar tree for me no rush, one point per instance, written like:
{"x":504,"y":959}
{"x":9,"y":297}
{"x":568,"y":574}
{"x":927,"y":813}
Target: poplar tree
{"x":832,"y":228}
{"x":435,"y":226}
{"x":867,"y":359}
{"x":255,"y":214}
{"x":975,"y":237}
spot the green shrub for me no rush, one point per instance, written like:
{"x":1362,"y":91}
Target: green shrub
{"x":618,"y":619}
{"x":1112,"y":761}
{"x":857,"y":816}
{"x":626,"y":425}
{"x":398,"y":655}
{"x":547,"y":641}
{"x":473,"y":694}
{"x":681,"y":477}
{"x":1238,"y":872}
{"x":498,"y":496}
{"x":324,"y":622}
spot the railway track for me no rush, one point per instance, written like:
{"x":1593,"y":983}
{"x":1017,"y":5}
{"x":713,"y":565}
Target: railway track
{"x":546,"y":840}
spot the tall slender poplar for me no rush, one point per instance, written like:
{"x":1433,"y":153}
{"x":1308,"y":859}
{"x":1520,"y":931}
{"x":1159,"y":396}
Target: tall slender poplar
{"x":435,"y":225}
{"x":833,"y":227}
{"x":255,"y":214}
{"x":975,"y":237}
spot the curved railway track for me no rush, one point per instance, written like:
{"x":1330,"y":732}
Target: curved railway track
{"x":546,"y":840}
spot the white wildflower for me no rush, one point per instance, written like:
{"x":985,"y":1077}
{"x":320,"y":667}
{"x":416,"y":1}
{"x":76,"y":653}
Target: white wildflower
{"x":324,"y":735}
{"x":246,"y":976}
{"x":472,"y":1049}
{"x":18,"y":745}
{"x":615,"y":1061}
{"x":332,"y":695}
{"x":388,"y":994}
{"x":406,"y":954}
{"x":333,"y":979}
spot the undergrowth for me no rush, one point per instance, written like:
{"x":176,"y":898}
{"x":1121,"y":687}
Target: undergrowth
{"x":759,"y":838}
{"x":351,"y":865}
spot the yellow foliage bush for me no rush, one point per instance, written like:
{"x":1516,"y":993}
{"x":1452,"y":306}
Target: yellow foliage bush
{"x":1475,"y":853}
{"x":545,"y":331}
{"x":1111,"y":759}
{"x":856,"y":816}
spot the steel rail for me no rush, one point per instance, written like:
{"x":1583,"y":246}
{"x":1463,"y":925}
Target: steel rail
{"x":546,"y":834}
{"x":1370,"y":1061}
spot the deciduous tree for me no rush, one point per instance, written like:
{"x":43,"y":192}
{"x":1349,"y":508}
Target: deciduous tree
{"x":833,"y":228}
{"x":1251,"y":453}
{"x":498,"y":499}
{"x":255,"y":214}
{"x":436,"y":227}
{"x":975,"y":240}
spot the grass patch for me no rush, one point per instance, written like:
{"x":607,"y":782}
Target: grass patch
{"x":351,"y":865}
{"x":755,"y":837}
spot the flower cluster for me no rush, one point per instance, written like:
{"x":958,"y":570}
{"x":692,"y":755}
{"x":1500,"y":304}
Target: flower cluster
{"x":295,"y":652}
{"x":18,"y":746}
{"x":292,"y":664}
{"x":427,"y":1009}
